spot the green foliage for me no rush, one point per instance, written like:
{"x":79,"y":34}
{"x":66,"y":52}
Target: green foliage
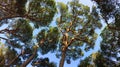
{"x":10,"y":55}
{"x":74,"y":52}
{"x":97,"y":60}
{"x":23,"y":30}
{"x":117,"y":18}
{"x":85,"y":63}
{"x":110,"y":35}
{"x":111,"y":42}
{"x":80,"y":24}
{"x":100,"y":61}
{"x":48,"y":39}
{"x":62,"y":7}
{"x":42,"y":11}
{"x":43,"y":62}
{"x":107,"y":7}
{"x":13,"y":7}
{"x":109,"y":49}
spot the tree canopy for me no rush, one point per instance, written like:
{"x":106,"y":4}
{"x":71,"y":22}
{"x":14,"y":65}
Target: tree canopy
{"x":62,"y":29}
{"x":109,"y":55}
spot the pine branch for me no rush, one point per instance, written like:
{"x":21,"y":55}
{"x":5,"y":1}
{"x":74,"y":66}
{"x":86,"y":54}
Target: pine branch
{"x":30,"y":58}
{"x":13,"y":60}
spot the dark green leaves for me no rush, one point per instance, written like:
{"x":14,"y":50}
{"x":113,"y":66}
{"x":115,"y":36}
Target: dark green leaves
{"x":22,"y":30}
{"x":48,"y":39}
{"x":111,"y":42}
{"x":43,"y":62}
{"x":108,"y":8}
{"x":42,"y":12}
{"x":117,"y":18}
{"x":63,"y":8}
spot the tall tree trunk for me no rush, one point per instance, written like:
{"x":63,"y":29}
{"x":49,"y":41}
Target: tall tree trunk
{"x":62,"y":60}
{"x":29,"y":59}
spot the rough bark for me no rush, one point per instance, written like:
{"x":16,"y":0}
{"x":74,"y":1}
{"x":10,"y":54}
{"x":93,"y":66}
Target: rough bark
{"x":62,"y":60}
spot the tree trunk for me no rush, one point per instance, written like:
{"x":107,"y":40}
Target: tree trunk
{"x":62,"y":60}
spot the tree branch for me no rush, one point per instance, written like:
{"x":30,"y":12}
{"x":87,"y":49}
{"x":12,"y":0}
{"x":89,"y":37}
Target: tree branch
{"x":30,"y":58}
{"x":3,"y":38}
{"x":7,"y":8}
{"x":6,"y":40}
{"x":13,"y":60}
{"x":10,"y":32}
{"x":10,"y":16}
{"x":71,"y":41}
{"x":84,"y":39}
{"x":110,"y":27}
